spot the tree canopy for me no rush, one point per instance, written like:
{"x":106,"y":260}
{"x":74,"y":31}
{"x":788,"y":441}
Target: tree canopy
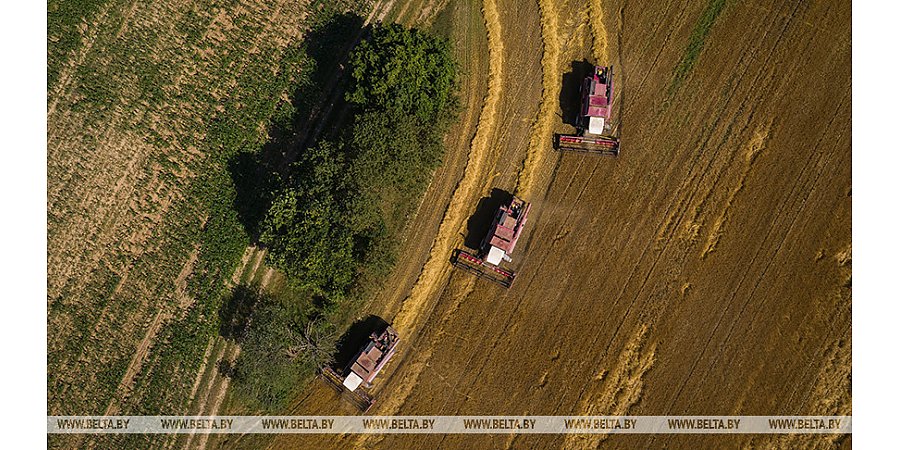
{"x":403,"y":70}
{"x":303,"y":228}
{"x":346,"y":199}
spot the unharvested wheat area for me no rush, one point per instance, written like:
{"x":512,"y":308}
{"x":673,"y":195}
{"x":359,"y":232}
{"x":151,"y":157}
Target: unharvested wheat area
{"x":705,"y":270}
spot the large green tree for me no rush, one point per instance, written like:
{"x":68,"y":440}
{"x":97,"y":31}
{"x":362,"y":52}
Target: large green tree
{"x":403,"y":70}
{"x":347,"y":199}
{"x":278,"y":349}
{"x":303,"y":228}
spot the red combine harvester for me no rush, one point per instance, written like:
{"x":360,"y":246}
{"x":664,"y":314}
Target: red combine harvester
{"x":593,"y":119}
{"x":497,"y":245}
{"x":363,"y":368}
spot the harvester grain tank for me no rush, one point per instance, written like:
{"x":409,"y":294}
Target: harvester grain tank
{"x":593,"y":117}
{"x":498,"y":244}
{"x":363,"y":368}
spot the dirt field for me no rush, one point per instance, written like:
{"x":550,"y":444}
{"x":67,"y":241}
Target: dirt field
{"x":704,"y":271}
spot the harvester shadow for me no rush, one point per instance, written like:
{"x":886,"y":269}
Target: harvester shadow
{"x":570,"y":92}
{"x":479,"y":223}
{"x":355,"y":337}
{"x":258,"y":174}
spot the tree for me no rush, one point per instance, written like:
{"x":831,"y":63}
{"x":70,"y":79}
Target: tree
{"x":279,"y":350}
{"x":344,"y":198}
{"x":403,"y":70}
{"x":303,"y":229}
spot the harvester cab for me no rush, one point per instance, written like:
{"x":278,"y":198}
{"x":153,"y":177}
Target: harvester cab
{"x":497,"y":245}
{"x":362,"y":369}
{"x":593,"y":117}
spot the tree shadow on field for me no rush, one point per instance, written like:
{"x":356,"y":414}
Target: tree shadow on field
{"x":570,"y":93}
{"x":259,"y":174}
{"x":479,"y":224}
{"x":355,"y":337}
{"x":256,"y":180}
{"x":235,"y":312}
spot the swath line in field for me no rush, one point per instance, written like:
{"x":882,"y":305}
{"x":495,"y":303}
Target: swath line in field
{"x":540,"y":142}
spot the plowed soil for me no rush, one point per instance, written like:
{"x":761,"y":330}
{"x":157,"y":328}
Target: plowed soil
{"x":706,"y":270}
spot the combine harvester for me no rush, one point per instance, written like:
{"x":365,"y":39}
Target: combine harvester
{"x":497,"y":245}
{"x":363,"y":368}
{"x":593,"y":119}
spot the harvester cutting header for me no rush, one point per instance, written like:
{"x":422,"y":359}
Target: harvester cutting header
{"x":497,"y":245}
{"x":593,"y":117}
